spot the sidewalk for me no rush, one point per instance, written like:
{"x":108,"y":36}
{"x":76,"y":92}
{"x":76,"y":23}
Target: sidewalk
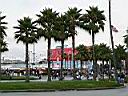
{"x":43,"y":79}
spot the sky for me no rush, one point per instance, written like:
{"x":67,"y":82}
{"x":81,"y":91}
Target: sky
{"x":17,"y":9}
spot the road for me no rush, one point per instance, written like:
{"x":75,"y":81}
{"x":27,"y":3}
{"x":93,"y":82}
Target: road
{"x":110,"y":92}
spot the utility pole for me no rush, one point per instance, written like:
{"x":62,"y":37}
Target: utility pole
{"x":112,"y":42}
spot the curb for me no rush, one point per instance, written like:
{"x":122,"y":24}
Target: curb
{"x":54,"y":90}
{"x":100,"y":88}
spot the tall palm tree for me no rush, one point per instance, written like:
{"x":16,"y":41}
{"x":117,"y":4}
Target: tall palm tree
{"x":126,"y":42}
{"x":26,"y":33}
{"x":93,"y":22}
{"x":61,"y":35}
{"x":47,"y":20}
{"x":73,"y":15}
{"x":2,"y":35}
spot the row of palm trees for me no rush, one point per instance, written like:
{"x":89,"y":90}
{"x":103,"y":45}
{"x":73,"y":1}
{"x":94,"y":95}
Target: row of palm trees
{"x":50,"y":24}
{"x":102,"y":53}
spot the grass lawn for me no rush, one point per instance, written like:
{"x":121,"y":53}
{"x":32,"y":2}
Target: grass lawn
{"x":57,"y":85}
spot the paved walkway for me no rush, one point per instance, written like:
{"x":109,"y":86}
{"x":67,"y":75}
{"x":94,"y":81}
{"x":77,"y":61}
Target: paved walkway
{"x":44,"y":78}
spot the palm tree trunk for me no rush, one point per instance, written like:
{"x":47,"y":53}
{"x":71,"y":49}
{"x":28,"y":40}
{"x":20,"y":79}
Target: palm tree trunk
{"x":0,"y":63}
{"x":93,"y":56}
{"x":81,"y":63}
{"x":70,"y":64}
{"x":109,"y":69}
{"x":120,"y":64}
{"x":62,"y":55}
{"x":126,"y":65}
{"x":77,"y":64}
{"x":73,"y":49}
{"x":97,"y":68}
{"x":26,"y":61}
{"x":48,"y":57}
{"x":103,"y":69}
{"x":114,"y":58}
{"x":65,"y":64}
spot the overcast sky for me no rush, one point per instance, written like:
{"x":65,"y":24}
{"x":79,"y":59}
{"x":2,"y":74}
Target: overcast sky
{"x":17,"y":9}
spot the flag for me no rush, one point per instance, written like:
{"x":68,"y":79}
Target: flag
{"x":114,"y":28}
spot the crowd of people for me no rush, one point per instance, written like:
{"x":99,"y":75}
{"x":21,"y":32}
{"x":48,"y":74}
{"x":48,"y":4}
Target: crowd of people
{"x":55,"y":74}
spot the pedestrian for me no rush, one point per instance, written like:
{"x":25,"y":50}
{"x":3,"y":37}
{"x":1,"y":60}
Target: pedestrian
{"x":118,"y":78}
{"x":122,"y":76}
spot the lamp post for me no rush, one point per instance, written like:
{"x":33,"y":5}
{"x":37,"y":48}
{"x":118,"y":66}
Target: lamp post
{"x":112,"y":42}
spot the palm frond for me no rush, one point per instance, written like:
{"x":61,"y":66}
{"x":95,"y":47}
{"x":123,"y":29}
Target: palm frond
{"x":27,"y":31}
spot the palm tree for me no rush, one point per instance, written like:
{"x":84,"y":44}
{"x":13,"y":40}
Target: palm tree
{"x":126,"y":42}
{"x":104,"y":54}
{"x":2,"y":35}
{"x":61,"y":34}
{"x":93,"y":22}
{"x":3,"y":49}
{"x":97,"y":57}
{"x":3,"y":46}
{"x":27,"y":33}
{"x":82,"y":54}
{"x":47,"y":20}
{"x":120,"y":53}
{"x":73,"y":15}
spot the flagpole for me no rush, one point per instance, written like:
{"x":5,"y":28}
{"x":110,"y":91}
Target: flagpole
{"x":112,"y":42}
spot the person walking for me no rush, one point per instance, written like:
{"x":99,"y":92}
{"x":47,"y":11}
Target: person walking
{"x":122,"y":76}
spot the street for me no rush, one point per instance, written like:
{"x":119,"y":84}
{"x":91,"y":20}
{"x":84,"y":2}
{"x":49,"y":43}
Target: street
{"x":110,"y":92}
